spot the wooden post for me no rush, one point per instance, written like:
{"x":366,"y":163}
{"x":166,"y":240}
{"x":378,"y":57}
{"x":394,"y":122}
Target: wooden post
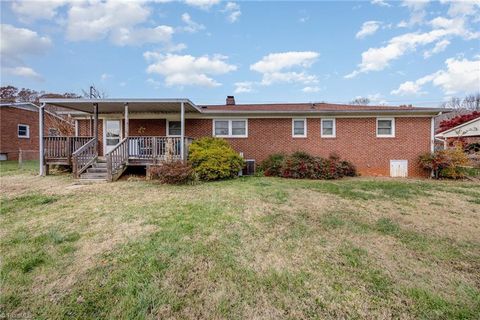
{"x":41,"y":118}
{"x":95,"y":124}
{"x":20,"y":158}
{"x":126,"y":120}
{"x":91,"y":126}
{"x":182,"y":131}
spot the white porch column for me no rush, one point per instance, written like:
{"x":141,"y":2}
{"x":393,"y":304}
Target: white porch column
{"x":126,"y":120}
{"x":41,"y":118}
{"x":182,"y":131}
{"x":95,"y":123}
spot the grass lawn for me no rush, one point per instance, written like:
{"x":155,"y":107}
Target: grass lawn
{"x":248,"y":248}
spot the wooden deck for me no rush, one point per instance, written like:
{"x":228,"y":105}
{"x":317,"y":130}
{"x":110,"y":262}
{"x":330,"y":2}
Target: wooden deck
{"x":81,"y":152}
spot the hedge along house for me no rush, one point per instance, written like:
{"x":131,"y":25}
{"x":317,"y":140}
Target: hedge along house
{"x":379,"y":140}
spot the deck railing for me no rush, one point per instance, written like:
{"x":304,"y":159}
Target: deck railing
{"x":61,"y":148}
{"x":157,"y":148}
{"x":84,"y":157}
{"x":117,"y":159}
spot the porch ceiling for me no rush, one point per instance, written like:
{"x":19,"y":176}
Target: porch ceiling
{"x":118,"y":105}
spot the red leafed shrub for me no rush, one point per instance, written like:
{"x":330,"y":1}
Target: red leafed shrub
{"x":458,"y":120}
{"x":175,"y":172}
{"x":445,"y":163}
{"x":301,"y":165}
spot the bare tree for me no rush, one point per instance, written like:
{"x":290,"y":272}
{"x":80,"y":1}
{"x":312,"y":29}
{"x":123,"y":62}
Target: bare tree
{"x":94,"y":93}
{"x":469,"y":102}
{"x":360,"y":101}
{"x":8,"y":93}
{"x":472,"y":102}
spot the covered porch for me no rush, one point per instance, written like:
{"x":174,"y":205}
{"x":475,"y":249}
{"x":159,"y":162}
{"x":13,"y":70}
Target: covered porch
{"x":119,"y":147}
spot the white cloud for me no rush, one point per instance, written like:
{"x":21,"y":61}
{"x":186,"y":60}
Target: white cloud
{"x":381,"y":3}
{"x":115,"y":20}
{"x":460,"y":76}
{"x":279,"y":61}
{"x":439,"y":47}
{"x":311,"y":89}
{"x":243,"y":87}
{"x":368,"y":28}
{"x":202,"y":4}
{"x":417,"y":12}
{"x":25,"y":72}
{"x":139,"y":36}
{"x":376,"y":59}
{"x":30,"y":11}
{"x":233,"y":12}
{"x":16,"y":44}
{"x":275,"y":67}
{"x":462,"y":8}
{"x":191,"y":26}
{"x":105,"y":76}
{"x":182,"y":70}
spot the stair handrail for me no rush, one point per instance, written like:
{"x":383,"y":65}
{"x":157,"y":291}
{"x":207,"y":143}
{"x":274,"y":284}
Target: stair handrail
{"x":117,"y":158}
{"x":83,"y":157}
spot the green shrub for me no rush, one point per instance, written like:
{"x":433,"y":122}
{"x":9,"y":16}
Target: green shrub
{"x":447,"y":163}
{"x":272,"y":165}
{"x":175,"y":172}
{"x":214,"y":159}
{"x":301,"y":165}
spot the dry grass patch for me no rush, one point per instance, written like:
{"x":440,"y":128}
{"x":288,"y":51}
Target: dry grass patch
{"x":261,"y":248}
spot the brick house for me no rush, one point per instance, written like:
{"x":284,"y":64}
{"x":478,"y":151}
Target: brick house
{"x":379,"y":140}
{"x":19,"y":130}
{"x":467,"y":132}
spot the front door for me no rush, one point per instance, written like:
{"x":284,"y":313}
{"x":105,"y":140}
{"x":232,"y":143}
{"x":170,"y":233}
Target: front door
{"x":112,"y":134}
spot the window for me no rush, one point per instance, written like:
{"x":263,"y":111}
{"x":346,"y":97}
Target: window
{"x":299,"y":128}
{"x":328,"y":128}
{"x":174,"y":128}
{"x":23,"y":131}
{"x":385,"y":127}
{"x":236,"y":128}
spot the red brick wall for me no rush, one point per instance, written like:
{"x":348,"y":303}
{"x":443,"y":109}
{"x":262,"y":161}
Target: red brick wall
{"x":355,"y":141}
{"x":10,"y":143}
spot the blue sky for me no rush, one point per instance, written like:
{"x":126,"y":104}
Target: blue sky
{"x":398,"y":52}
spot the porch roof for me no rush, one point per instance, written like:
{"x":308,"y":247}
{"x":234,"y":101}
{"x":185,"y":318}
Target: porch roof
{"x":118,"y":105}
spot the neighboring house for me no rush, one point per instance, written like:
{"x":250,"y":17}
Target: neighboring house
{"x":379,"y":140}
{"x":468,"y":132}
{"x":19,"y":130}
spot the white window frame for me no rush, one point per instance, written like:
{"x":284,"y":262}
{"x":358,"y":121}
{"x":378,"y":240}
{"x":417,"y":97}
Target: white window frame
{"x":168,"y":128}
{"x":28,"y":131}
{"x":230,"y":128}
{"x":392,"y":135}
{"x":304,"y":135}
{"x":334,"y":128}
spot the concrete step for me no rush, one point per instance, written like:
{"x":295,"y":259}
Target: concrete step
{"x":97,"y":170}
{"x":88,"y":175}
{"x":90,"y":181}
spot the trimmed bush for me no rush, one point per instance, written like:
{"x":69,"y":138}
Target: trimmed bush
{"x":447,"y":163}
{"x":301,"y":165}
{"x":272,"y":165}
{"x":214,"y":159}
{"x":175,"y":172}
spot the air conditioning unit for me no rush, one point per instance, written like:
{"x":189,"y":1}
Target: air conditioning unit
{"x":249,"y":169}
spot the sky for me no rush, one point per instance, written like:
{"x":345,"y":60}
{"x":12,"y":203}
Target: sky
{"x":392,"y":52}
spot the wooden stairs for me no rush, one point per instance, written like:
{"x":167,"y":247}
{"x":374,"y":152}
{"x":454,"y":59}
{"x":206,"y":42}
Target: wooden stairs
{"x":97,"y":172}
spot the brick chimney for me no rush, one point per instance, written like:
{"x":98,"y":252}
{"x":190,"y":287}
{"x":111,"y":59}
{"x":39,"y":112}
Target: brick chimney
{"x":230,"y":101}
